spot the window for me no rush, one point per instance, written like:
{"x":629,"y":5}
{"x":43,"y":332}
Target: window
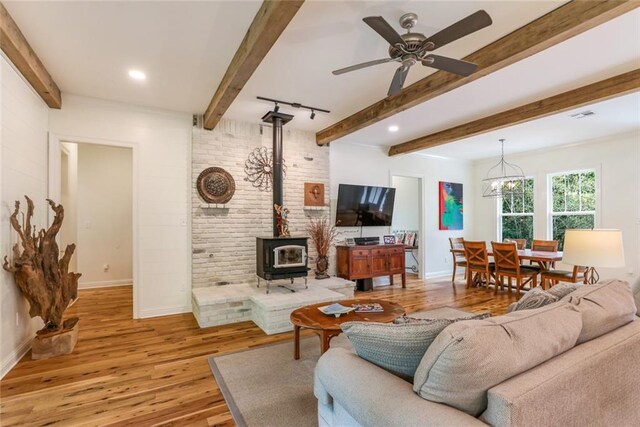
{"x":573,"y":203}
{"x":516,"y":214}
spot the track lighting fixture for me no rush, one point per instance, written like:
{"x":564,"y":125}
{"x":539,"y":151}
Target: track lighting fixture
{"x":277,"y":103}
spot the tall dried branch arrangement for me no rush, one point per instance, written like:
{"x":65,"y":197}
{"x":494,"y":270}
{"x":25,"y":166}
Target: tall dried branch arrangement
{"x":40,"y":273}
{"x":323,"y":235}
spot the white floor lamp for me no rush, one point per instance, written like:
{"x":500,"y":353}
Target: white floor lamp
{"x":593,"y":248}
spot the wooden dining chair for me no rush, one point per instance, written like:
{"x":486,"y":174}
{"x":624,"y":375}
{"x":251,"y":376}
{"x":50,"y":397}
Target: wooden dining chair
{"x":459,"y":260}
{"x":520,"y":243}
{"x":478,"y":263}
{"x":544,"y":246}
{"x":553,"y":277}
{"x":508,"y":265}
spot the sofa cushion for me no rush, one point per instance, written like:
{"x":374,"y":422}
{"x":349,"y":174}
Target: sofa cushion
{"x":604,"y":307}
{"x":470,"y":357}
{"x":398,"y":347}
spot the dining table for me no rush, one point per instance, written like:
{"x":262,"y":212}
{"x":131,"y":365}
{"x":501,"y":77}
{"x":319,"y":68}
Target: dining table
{"x":543,"y":258}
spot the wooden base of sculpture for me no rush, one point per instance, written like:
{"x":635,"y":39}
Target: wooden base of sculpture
{"x":45,"y":346}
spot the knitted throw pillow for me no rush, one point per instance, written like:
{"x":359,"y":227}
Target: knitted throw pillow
{"x":397,"y":348}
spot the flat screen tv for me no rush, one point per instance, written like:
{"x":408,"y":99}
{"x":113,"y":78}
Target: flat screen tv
{"x":364,"y":206}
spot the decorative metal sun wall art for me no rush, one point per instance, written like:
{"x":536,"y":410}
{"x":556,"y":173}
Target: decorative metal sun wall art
{"x":215,"y":185}
{"x":259,"y":168}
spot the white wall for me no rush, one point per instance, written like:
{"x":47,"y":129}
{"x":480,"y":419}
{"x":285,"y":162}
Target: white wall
{"x":162,"y":150}
{"x":68,"y":199}
{"x":104,"y":215}
{"x":406,"y":210}
{"x":23,"y":160}
{"x":617,"y":164}
{"x":365,"y":165}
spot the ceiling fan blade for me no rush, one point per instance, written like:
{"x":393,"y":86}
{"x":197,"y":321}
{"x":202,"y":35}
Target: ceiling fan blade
{"x":470,"y":24}
{"x":451,"y":65}
{"x":383,"y":28}
{"x":398,"y":80}
{"x":363,"y":65}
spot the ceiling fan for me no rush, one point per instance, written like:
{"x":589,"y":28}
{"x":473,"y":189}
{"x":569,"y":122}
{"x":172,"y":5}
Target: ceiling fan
{"x":411,"y":48}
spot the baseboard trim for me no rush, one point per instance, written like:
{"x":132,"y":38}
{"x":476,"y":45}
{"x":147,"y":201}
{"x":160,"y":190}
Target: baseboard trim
{"x":437,"y":274}
{"x":165,"y":311}
{"x":105,"y":284}
{"x":15,"y":357}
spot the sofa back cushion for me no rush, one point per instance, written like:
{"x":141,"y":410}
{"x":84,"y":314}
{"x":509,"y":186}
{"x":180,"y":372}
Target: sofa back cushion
{"x":470,"y":357}
{"x":604,"y":307}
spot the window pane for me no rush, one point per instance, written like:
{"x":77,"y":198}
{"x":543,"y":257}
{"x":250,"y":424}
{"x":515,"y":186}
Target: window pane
{"x":517,"y":199}
{"x":506,"y":204}
{"x":528,"y":195}
{"x":517,"y":227}
{"x":563,"y":222}
{"x":557,"y":191}
{"x":589,"y":191}
{"x":573,"y":194}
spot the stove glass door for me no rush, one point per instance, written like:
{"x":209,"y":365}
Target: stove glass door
{"x":289,"y":256}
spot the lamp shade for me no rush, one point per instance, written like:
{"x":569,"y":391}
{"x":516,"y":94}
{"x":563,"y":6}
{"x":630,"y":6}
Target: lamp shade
{"x":593,"y":248}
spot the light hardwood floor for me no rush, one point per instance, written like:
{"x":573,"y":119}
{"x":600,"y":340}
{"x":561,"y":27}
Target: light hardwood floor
{"x":155,"y":371}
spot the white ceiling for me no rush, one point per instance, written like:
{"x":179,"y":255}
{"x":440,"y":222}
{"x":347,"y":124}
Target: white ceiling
{"x":605,"y":51}
{"x":327,"y":35}
{"x":615,"y":116}
{"x":183,"y":47}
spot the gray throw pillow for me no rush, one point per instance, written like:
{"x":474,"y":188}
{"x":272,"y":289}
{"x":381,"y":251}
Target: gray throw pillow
{"x":561,"y":290}
{"x":535,"y":298}
{"x":397,"y":348}
{"x":635,"y":288}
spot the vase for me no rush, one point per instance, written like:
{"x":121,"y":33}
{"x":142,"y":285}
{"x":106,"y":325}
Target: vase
{"x":322,"y":264}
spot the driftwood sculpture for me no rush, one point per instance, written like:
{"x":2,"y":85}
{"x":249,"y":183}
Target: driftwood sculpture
{"x":40,"y":273}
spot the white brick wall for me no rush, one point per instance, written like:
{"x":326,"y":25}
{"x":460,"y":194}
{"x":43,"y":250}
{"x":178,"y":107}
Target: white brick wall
{"x":223,"y":240}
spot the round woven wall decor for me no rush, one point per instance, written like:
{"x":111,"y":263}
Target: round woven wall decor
{"x":215,"y":185}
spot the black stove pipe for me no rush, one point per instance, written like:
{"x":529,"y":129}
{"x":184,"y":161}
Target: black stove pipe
{"x":277,"y":169}
{"x":277,"y":120}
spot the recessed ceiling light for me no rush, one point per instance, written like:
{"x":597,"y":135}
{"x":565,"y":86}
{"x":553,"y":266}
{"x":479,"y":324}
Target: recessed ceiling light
{"x":137,"y":75}
{"x":393,"y":128}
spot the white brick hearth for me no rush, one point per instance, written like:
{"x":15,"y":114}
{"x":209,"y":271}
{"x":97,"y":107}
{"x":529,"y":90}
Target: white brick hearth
{"x":221,"y":305}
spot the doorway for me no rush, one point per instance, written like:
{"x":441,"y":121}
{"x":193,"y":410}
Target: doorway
{"x":96,"y":190}
{"x":407,"y":220}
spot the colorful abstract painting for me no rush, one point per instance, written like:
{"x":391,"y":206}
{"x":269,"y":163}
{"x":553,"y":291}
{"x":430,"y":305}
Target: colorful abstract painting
{"x":450,"y":206}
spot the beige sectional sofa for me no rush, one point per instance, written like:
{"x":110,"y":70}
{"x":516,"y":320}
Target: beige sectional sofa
{"x":594,"y":383}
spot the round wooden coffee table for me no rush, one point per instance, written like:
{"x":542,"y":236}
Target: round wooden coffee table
{"x":327,"y":327}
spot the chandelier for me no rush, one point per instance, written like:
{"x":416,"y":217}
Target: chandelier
{"x":503,"y":179}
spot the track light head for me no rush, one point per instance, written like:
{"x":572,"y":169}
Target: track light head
{"x":313,"y":114}
{"x":276,"y":108}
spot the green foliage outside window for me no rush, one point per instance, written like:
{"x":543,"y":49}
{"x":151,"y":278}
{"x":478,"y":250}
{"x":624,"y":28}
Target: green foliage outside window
{"x":517,"y":213}
{"x":573,"y":203}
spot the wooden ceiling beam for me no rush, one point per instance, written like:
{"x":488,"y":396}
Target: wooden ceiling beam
{"x":270,"y":21}
{"x":606,"y":89}
{"x":555,"y":27}
{"x":20,"y":53}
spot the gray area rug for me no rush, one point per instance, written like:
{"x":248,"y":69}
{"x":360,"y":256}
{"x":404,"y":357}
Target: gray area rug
{"x":266,"y":387}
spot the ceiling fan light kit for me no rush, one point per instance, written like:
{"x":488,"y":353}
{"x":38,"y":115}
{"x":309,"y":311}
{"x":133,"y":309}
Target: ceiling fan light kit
{"x":410,"y":48}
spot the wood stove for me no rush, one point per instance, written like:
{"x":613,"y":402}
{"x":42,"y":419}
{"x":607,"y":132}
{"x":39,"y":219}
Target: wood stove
{"x":280,"y":257}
